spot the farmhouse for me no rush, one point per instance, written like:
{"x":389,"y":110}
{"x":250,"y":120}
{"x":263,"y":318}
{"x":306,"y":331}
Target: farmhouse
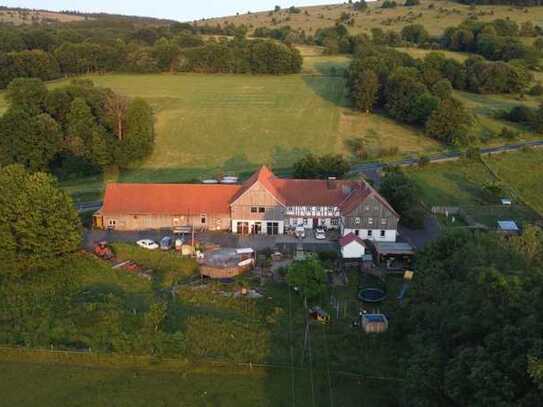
{"x":264,"y":204}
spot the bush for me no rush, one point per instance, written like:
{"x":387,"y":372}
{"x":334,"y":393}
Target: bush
{"x":536,"y":90}
{"x":508,"y":134}
{"x":389,"y":4}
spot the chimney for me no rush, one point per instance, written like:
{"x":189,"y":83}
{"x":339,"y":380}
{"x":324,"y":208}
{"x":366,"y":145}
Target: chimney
{"x":331,"y":182}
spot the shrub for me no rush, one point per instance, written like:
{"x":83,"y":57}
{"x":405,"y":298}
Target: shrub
{"x":536,"y":90}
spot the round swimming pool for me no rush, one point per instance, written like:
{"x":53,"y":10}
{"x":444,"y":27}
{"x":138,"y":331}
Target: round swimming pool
{"x":371,"y":295}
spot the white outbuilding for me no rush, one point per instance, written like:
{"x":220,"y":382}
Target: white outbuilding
{"x":352,"y":247}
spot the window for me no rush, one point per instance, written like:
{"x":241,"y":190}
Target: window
{"x":367,"y":207}
{"x":383,"y":221}
{"x":334,"y":221}
{"x":261,"y":210}
{"x":370,"y":233}
{"x":357,"y":232}
{"x":112,"y":222}
{"x":203,"y":219}
{"x":382,"y":233}
{"x":253,"y":209}
{"x":370,"y":221}
{"x":272,"y":228}
{"x":357,"y":221}
{"x":305,"y":221}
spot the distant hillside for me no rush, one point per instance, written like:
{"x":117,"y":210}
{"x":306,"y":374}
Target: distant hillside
{"x":22,"y":16}
{"x":435,"y":15}
{"x":25,"y":16}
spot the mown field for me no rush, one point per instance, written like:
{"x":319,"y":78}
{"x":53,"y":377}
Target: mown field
{"x":461,"y":183}
{"x":211,"y":124}
{"x":434,"y":15}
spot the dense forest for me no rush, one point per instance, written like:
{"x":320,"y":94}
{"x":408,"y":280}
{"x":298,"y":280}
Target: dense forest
{"x":53,"y":52}
{"x":474,"y":322}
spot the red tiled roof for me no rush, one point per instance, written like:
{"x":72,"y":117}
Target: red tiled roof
{"x":264,"y":176}
{"x":313,"y":192}
{"x":168,"y":199}
{"x":349,"y":238}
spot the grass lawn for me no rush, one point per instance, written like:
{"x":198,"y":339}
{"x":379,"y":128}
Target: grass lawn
{"x":456,"y":183}
{"x":460,"y":183}
{"x":524,"y":172}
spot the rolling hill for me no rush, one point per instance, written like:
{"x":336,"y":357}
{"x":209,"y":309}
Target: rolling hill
{"x":434,"y":15}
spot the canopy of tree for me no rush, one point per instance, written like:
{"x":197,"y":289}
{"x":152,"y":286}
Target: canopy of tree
{"x":39,"y":222}
{"x":42,"y":129}
{"x":474,"y":322}
{"x":321,"y":167}
{"x":50,"y":53}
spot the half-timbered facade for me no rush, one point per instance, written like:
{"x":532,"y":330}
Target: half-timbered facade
{"x":264,"y":204}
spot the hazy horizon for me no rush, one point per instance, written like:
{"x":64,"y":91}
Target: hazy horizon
{"x":164,"y":8}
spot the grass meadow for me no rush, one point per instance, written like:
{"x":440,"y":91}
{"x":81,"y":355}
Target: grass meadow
{"x":460,"y":183}
{"x":207,"y":125}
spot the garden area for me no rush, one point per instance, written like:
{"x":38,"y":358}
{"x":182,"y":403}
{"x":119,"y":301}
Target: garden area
{"x":472,"y":185}
{"x":175,"y":320}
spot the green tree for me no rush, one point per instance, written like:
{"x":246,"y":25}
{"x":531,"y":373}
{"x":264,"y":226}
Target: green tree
{"x":40,"y":222}
{"x":80,"y":126}
{"x":27,"y":94}
{"x":139,"y":136}
{"x":309,"y":276}
{"x":415,"y":33}
{"x":365,"y":90}
{"x":449,"y":123}
{"x":402,"y":194}
{"x":32,"y":141}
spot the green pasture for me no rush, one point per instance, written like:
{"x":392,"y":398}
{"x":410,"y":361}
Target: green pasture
{"x":460,"y":183}
{"x":207,"y":125}
{"x":524,"y":173}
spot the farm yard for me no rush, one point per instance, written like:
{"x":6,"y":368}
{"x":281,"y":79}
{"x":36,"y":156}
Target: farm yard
{"x":467,"y":184}
{"x":255,"y":351}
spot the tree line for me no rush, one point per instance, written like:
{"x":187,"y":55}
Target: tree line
{"x":419,"y":91}
{"x":75,"y":128}
{"x":53,"y":53}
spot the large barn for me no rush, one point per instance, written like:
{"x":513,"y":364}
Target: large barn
{"x":264,"y":204}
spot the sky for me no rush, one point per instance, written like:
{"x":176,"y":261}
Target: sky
{"x":181,"y":10}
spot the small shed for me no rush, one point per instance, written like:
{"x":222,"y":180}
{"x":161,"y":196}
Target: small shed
{"x":389,"y":252}
{"x":508,"y":227}
{"x":374,"y":323}
{"x":352,"y":247}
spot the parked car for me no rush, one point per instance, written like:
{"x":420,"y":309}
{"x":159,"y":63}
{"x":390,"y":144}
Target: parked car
{"x":320,"y":234}
{"x":166,"y":243}
{"x":147,"y":244}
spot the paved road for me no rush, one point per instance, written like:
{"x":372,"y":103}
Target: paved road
{"x":371,"y":169}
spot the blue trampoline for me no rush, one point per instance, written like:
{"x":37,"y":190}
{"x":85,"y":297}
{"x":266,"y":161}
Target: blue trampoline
{"x":371,"y":295}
